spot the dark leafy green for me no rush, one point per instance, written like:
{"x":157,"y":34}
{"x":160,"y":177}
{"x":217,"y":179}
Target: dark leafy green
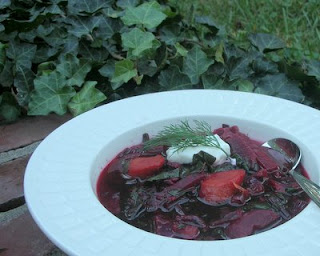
{"x":173,"y":79}
{"x":279,"y":85}
{"x":131,"y":47}
{"x":148,"y":14}
{"x":52,"y":94}
{"x":87,"y":6}
{"x":313,"y":69}
{"x":87,"y":98}
{"x":124,"y":71}
{"x":266,"y":42}
{"x":8,"y":107}
{"x":23,"y":81}
{"x":166,"y":175}
{"x":196,"y":63}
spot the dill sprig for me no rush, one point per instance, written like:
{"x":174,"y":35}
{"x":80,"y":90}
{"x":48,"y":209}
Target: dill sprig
{"x":181,"y":136}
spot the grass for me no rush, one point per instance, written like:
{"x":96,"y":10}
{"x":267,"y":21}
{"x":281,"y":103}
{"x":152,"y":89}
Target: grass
{"x":297,"y":22}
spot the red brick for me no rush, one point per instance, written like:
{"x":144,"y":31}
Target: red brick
{"x":21,"y":236}
{"x":11,"y":183}
{"x":29,"y":130}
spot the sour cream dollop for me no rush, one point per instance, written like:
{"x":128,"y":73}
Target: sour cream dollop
{"x":185,"y":156}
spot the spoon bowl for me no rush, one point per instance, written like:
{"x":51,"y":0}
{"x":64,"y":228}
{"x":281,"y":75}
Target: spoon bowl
{"x":292,"y":154}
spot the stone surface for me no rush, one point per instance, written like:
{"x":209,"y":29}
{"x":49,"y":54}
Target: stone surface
{"x":11,"y":183}
{"x":17,"y":153}
{"x":20,"y":235}
{"x":28,"y":130}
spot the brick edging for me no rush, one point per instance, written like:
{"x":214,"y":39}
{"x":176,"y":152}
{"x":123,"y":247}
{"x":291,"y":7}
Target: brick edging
{"x":19,"y":233}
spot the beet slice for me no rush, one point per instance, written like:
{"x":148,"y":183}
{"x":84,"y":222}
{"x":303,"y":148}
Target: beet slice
{"x":264,"y":160}
{"x":226,"y":218}
{"x":185,"y":231}
{"x":163,"y":225}
{"x":192,"y":220}
{"x":240,"y":144}
{"x":175,"y":228}
{"x":187,"y":182}
{"x":246,"y":148}
{"x":251,"y":222}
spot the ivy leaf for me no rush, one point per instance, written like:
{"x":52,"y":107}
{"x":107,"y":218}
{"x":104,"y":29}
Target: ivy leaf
{"x":43,"y":53}
{"x":46,"y":68}
{"x":51,"y":94}
{"x":243,"y":85}
{"x":71,"y":45}
{"x":87,"y":98}
{"x":212,"y":82}
{"x":124,"y":71}
{"x":147,"y":67}
{"x":74,"y":69}
{"x":161,"y":56}
{"x":8,"y":107}
{"x":108,"y":70}
{"x":96,"y":55}
{"x":171,"y":34}
{"x":110,"y":12}
{"x":56,"y":38}
{"x":107,"y":27}
{"x":23,"y":81}
{"x":28,"y":36}
{"x":44,"y":30}
{"x":2,"y":56}
{"x":261,"y":65}
{"x":87,"y":6}
{"x":5,"y":3}
{"x":219,"y":54}
{"x":83,"y":26}
{"x":266,"y":42}
{"x":137,"y":40}
{"x":280,"y":86}
{"x":21,"y":53}
{"x":196,"y":63}
{"x":6,"y":76}
{"x":54,"y":9}
{"x":2,"y":18}
{"x":148,"y":14}
{"x":173,"y":79}
{"x":181,"y":50}
{"x":313,"y":69}
{"x":232,"y":51}
{"x":239,"y":68}
{"x":208,"y":22}
{"x":127,"y":3}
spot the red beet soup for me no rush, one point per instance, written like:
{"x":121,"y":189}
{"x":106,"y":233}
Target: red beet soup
{"x":249,"y":193}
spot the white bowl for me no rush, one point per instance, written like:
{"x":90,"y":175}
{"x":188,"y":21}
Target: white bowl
{"x":61,"y":176}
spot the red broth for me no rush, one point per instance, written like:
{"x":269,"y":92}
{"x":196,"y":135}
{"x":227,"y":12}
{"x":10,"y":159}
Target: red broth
{"x":178,"y":200}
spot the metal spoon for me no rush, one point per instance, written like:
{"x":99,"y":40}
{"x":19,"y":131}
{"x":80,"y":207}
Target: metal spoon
{"x":292,"y":154}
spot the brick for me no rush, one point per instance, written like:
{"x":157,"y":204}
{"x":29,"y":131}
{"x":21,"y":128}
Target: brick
{"x":20,"y":235}
{"x":11,"y":183}
{"x":29,"y":130}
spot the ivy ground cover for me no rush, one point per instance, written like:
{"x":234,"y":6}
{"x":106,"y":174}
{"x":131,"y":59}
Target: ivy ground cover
{"x":59,"y":56}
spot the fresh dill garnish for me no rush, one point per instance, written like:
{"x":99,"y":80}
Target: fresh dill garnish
{"x":182,"y":135}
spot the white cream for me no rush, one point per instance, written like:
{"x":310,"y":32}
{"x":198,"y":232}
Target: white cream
{"x":185,"y":156}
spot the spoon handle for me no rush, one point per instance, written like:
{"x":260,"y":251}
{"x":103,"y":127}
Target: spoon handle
{"x":312,"y":189}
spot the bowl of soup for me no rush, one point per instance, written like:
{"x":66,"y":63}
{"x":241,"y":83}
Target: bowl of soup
{"x":94,"y":189}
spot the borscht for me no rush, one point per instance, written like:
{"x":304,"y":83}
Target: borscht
{"x":192,"y":182}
